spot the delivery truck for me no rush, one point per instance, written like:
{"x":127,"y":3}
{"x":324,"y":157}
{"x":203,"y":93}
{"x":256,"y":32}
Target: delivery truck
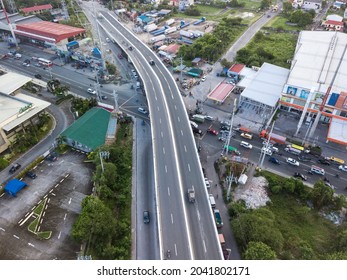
{"x":274,"y":138}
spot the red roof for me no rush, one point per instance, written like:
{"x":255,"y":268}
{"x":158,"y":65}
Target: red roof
{"x":221,"y":92}
{"x":236,"y":68}
{"x":173,"y":48}
{"x":37,"y":8}
{"x":49,"y":29}
{"x":333,"y":22}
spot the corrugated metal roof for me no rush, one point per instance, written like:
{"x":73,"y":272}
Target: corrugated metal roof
{"x":36,"y":8}
{"x":90,"y":129}
{"x":316,"y":61}
{"x":267,"y":85}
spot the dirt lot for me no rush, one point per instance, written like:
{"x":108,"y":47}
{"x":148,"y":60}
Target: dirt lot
{"x":62,"y":184}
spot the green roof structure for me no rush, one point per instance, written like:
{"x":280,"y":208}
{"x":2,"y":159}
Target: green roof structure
{"x":89,"y":131}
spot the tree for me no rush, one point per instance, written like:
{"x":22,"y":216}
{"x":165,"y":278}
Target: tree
{"x":259,"y":251}
{"x":322,"y":195}
{"x":265,"y":4}
{"x":226,"y":63}
{"x":95,"y":225}
{"x":287,"y":8}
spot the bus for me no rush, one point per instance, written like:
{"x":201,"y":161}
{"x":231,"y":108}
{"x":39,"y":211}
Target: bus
{"x":45,"y":62}
{"x":298,"y":147}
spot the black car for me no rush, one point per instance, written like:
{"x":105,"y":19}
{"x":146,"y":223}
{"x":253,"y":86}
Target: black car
{"x":31,"y":174}
{"x":151,"y":62}
{"x":299,"y":175}
{"x":146,"y":217}
{"x":324,"y":161}
{"x":38,"y":76}
{"x":304,"y":158}
{"x":51,"y":157}
{"x":14,"y":168}
{"x":274,"y":160}
{"x":197,"y":130}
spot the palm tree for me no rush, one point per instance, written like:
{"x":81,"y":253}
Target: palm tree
{"x":61,"y":139}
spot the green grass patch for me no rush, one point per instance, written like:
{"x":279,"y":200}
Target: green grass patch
{"x":251,"y":4}
{"x":44,"y":234}
{"x":39,"y":208}
{"x":33,"y":225}
{"x":280,"y":23}
{"x":207,"y":10}
{"x":299,"y":223}
{"x":274,"y":48}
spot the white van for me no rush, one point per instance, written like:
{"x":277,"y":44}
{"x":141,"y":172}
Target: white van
{"x":317,"y":170}
{"x":212,"y":201}
{"x":267,"y":151}
{"x":194,"y":124}
{"x":138,"y":85}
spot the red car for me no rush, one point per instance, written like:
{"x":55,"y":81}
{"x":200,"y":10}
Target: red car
{"x":212,"y":131}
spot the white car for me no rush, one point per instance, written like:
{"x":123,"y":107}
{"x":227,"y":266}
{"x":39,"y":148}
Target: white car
{"x":343,"y":168}
{"x":266,"y":151}
{"x":142,"y":110}
{"x":292,"y":161}
{"x":203,"y":79}
{"x":91,"y":91}
{"x":246,"y":145}
{"x":207,"y":183}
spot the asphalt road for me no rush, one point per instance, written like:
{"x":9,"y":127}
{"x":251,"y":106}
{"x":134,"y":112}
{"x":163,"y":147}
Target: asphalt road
{"x":188,"y":231}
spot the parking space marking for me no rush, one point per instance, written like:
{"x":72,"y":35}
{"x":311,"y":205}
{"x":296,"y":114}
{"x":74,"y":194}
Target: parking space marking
{"x":62,"y":180}
{"x":65,"y":216}
{"x":67,"y":175}
{"x":50,"y":190}
{"x":59,"y":235}
{"x":70,"y":200}
{"x":33,"y":208}
{"x":56,"y":185}
{"x":39,"y":202}
{"x":26,"y":214}
{"x":53,"y":194}
{"x":2,"y":195}
{"x":24,"y":221}
{"x":15,"y":236}
{"x":32,"y":245}
{"x":2,"y":229}
{"x":20,"y":221}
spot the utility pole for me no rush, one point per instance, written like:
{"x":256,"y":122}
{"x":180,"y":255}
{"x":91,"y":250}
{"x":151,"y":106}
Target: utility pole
{"x":227,"y":142}
{"x":263,"y":153}
{"x":9,"y":23}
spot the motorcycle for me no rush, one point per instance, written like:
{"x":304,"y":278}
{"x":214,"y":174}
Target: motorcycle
{"x":168,"y":254}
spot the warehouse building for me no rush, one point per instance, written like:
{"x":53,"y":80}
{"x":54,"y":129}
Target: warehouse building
{"x":317,"y":82}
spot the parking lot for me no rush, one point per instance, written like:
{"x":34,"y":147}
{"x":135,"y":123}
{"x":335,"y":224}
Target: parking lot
{"x":62,"y":184}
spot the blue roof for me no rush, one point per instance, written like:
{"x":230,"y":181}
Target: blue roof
{"x":14,"y":186}
{"x":72,"y":43}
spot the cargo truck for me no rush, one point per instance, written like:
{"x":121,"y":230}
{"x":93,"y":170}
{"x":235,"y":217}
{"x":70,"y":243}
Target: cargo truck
{"x":170,"y":21}
{"x":158,"y":38}
{"x":275,"y":138}
{"x":186,"y":34}
{"x":170,"y":30}
{"x":218,"y":218}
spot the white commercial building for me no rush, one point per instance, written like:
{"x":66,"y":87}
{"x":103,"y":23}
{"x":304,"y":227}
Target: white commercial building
{"x":18,"y":110}
{"x":319,"y":65}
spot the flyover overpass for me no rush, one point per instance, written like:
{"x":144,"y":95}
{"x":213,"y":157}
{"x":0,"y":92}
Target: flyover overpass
{"x":187,"y":230}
